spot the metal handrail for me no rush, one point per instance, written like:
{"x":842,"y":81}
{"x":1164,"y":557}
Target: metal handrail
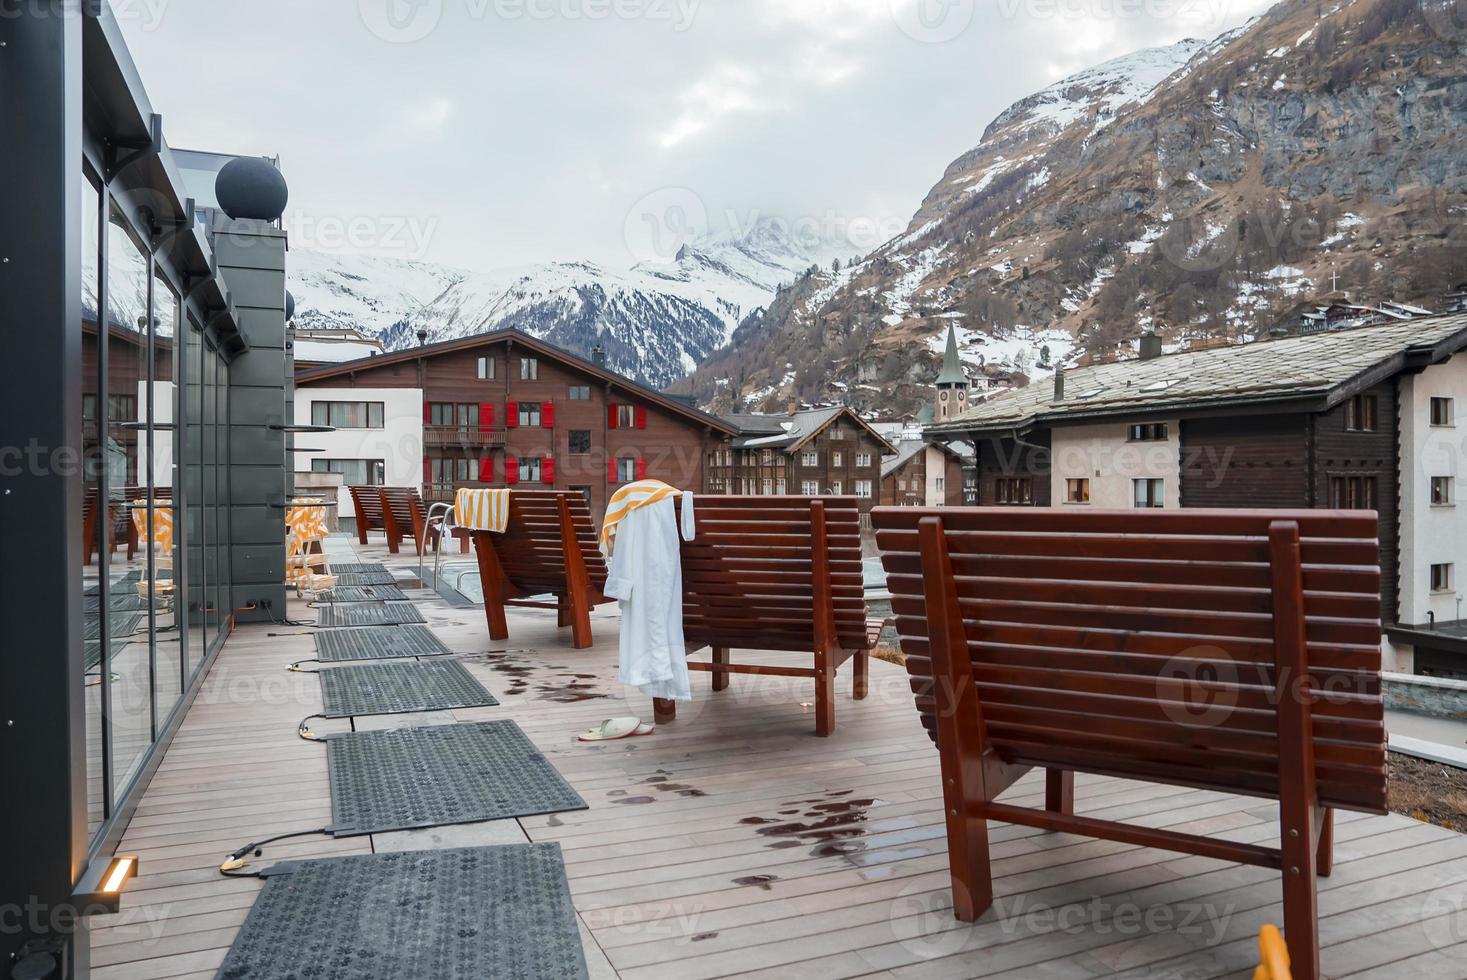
{"x":446,"y":526}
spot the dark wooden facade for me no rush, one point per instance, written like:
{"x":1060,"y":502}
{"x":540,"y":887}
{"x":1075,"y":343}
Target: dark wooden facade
{"x":583,"y":427}
{"x":906,"y":486}
{"x":127,"y":374}
{"x":1013,"y":472}
{"x":843,"y":458}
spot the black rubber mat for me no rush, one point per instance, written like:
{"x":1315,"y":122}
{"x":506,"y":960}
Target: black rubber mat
{"x":363,"y":593}
{"x":459,"y":914}
{"x":378,"y":643}
{"x":440,"y":775}
{"x":121,"y":625}
{"x":126,"y":602}
{"x":399,"y":688}
{"x":368,"y":614}
{"x":341,"y":568}
{"x":365,"y":578}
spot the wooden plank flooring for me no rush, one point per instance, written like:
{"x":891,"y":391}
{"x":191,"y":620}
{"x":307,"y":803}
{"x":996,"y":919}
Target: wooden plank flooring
{"x":734,"y":842}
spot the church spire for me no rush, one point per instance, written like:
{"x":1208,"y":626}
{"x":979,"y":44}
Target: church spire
{"x":952,"y":367}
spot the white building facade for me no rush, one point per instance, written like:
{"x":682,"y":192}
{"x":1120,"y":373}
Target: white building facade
{"x":378,"y":439}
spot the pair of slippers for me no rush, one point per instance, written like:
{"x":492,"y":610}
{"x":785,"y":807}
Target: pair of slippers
{"x":613,"y":729}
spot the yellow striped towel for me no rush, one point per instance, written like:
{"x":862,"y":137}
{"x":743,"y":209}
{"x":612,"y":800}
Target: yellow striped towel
{"x":628,"y":499}
{"x":482,"y":510}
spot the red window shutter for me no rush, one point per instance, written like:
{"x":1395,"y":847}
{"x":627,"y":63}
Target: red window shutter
{"x":486,"y":469}
{"x":511,"y":470}
{"x":611,"y":416}
{"x":511,"y":415}
{"x":427,"y":413}
{"x":427,"y":471}
{"x":641,"y":469}
{"x":641,"y":417}
{"x":486,"y":416}
{"x":547,"y":415}
{"x":611,"y":473}
{"x":547,"y":470}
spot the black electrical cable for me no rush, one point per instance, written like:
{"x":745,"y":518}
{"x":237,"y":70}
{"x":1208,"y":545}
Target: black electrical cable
{"x":231,"y":865}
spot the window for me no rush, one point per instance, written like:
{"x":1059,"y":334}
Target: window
{"x":529,"y":369}
{"x":939,"y":484}
{"x":358,"y":472}
{"x":1014,"y":491}
{"x":580,"y":393}
{"x":1441,"y":491}
{"x":1441,"y":577}
{"x":447,"y":471}
{"x":809,"y":488}
{"x":1148,"y":432}
{"x":766,"y":457}
{"x":580,"y":442}
{"x":1442,"y":411}
{"x":863,"y":459}
{"x":1149,"y":493}
{"x":1352,"y":492}
{"x":529,"y":416}
{"x":835,"y":488}
{"x":486,"y":368}
{"x":779,"y":486}
{"x":450,"y":414}
{"x":1360,"y":414}
{"x":835,"y":459}
{"x":767,"y":488}
{"x":626,"y":416}
{"x":1077,"y":491}
{"x":348,"y":415}
{"x":809,"y":459}
{"x":626,"y":470}
{"x":863,"y":489}
{"x":837,"y":433}
{"x":529,"y":469}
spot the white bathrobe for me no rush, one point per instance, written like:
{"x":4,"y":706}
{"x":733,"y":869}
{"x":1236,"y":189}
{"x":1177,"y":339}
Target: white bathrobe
{"x":646,"y":574}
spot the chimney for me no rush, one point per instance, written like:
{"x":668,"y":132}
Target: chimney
{"x":598,"y":356}
{"x":1059,"y":384}
{"x":422,"y":338}
{"x":1150,"y":346}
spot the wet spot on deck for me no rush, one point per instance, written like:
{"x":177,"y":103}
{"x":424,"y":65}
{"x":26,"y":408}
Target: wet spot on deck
{"x":700,"y":937}
{"x":835,"y":827}
{"x":762,"y":881}
{"x":636,"y":800}
{"x":554,"y":821}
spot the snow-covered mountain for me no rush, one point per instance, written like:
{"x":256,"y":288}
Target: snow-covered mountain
{"x":655,"y":322}
{"x":1202,"y":191}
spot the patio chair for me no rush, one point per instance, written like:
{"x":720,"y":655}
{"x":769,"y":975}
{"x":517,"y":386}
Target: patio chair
{"x":366,"y":502}
{"x":1227,"y":650}
{"x":405,"y":515}
{"x":548,"y":548}
{"x":777,"y":573}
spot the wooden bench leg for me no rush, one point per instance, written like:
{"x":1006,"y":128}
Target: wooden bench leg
{"x":824,"y":698}
{"x":562,"y":611}
{"x":1324,"y":858}
{"x":720,"y":678}
{"x":861,"y":679}
{"x":663,"y":712}
{"x":1059,"y":791}
{"x":493,"y":588}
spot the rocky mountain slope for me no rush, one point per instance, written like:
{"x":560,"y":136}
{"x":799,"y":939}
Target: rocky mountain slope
{"x":1199,"y":190}
{"x":656,"y":322}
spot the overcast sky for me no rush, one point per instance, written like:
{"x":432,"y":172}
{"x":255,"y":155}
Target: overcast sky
{"x":484,"y":133}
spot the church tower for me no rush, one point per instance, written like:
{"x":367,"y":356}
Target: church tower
{"x":952,"y":383}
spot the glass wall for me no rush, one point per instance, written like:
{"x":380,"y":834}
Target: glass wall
{"x":154,"y":438}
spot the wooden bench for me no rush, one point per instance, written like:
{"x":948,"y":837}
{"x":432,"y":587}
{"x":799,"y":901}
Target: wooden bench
{"x":367,"y":504}
{"x":1227,"y":650}
{"x":404,"y":515}
{"x":548,"y":548}
{"x":777,"y":573}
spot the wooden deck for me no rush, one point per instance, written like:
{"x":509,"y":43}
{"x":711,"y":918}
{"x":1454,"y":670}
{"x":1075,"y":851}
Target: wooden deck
{"x":734,"y":842}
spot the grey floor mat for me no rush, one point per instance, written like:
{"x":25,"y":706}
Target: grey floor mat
{"x":368,"y":614}
{"x":439,"y":775}
{"x":365,"y":578}
{"x":121,"y":625}
{"x":378,"y":643}
{"x":400,"y":687}
{"x":343,"y":567}
{"x":363,"y":593}
{"x":126,"y":602}
{"x":460,"y":914}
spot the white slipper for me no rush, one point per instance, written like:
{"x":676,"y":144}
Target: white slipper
{"x":612,"y":729}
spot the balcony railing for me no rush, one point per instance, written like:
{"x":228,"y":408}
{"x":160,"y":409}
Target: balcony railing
{"x":464,"y":436}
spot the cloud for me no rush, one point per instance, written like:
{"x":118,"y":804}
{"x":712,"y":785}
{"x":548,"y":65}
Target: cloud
{"x":725,"y":91}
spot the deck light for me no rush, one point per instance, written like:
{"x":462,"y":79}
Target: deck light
{"x":100,"y":889}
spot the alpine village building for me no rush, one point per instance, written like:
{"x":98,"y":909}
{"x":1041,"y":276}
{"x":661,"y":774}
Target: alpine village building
{"x":504,"y":409}
{"x":1357,"y":418}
